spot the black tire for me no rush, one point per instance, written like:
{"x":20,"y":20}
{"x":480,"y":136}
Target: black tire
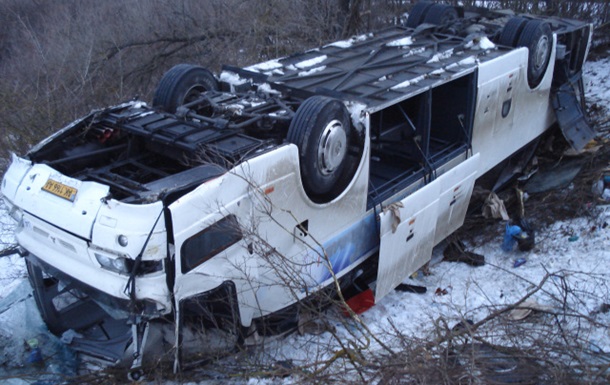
{"x":322,"y":131}
{"x":511,"y":31}
{"x":183,"y":83}
{"x":538,"y":38}
{"x":441,"y":14}
{"x":418,"y":14}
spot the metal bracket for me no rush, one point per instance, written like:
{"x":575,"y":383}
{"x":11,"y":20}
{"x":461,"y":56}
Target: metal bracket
{"x":139,"y":331}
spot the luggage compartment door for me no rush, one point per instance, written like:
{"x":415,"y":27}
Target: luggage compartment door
{"x":407,"y":231}
{"x":456,"y":190}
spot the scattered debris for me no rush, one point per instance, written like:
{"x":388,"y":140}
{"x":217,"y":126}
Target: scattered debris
{"x":510,"y":237}
{"x":425,"y":269}
{"x":601,"y":309}
{"x":494,"y":207}
{"x":497,"y":364}
{"x":590,"y":148}
{"x":9,"y":251}
{"x":522,"y":234}
{"x":361,"y":302}
{"x":523,"y":164}
{"x":455,"y":252}
{"x":411,"y":288}
{"x":462,"y":325}
{"x":440,"y":291}
{"x":519,"y":262}
{"x":601,"y":188}
{"x":29,"y":345}
{"x":312,"y":323}
{"x":525,"y":309}
{"x":35,"y":355}
{"x":573,"y":238}
{"x":358,"y":296}
{"x":555,"y":177}
{"x":527,"y":239}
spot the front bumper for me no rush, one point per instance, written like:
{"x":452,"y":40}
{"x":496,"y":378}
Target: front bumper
{"x":49,"y":283}
{"x":67,"y":257}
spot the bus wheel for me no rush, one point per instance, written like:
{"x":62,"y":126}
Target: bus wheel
{"x":537,"y":37}
{"x":441,"y":14}
{"x":511,"y":31}
{"x":182,"y":84}
{"x":322,"y":131}
{"x":418,"y":14}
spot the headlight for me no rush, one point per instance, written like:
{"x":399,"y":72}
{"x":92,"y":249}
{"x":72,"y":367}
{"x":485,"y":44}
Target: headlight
{"x":124,"y":265}
{"x":118,"y":264}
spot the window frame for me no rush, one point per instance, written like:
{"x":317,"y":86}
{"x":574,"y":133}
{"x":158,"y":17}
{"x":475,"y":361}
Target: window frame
{"x":235,"y":235}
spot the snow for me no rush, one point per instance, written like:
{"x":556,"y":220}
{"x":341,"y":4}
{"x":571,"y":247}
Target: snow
{"x":401,"y":42}
{"x":471,"y":292}
{"x":468,"y":61}
{"x":266,"y":89}
{"x":266,"y":66}
{"x":356,"y":113}
{"x":474,"y":292}
{"x":349,"y":42}
{"x":12,"y":268}
{"x":231,"y":78}
{"x":597,"y":82}
{"x":414,"y":52}
{"x":485,"y":43}
{"x":312,"y":71}
{"x":480,"y":43}
{"x":311,"y":62}
{"x":441,"y":56}
{"x":408,"y":83}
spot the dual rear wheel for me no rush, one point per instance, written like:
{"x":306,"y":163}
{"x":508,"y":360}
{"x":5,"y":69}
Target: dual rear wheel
{"x":537,"y":37}
{"x":321,"y":129}
{"x":431,"y":13}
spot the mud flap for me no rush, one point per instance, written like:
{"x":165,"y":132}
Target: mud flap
{"x":571,"y":117}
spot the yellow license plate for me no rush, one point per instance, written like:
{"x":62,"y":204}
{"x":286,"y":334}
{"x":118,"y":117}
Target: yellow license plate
{"x":60,"y":189}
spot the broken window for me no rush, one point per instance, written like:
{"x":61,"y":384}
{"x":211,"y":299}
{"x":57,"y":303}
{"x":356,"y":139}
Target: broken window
{"x":410,"y":140}
{"x":209,"y":242}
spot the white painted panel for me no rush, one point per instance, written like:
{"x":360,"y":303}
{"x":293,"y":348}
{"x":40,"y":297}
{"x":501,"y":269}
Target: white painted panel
{"x":407,"y":245}
{"x":496,"y":137}
{"x":456,"y":189}
{"x":136,"y":223}
{"x":77,"y":216}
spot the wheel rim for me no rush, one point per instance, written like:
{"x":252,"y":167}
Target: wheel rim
{"x":542,"y":49}
{"x":332,"y":148}
{"x":193,"y":93}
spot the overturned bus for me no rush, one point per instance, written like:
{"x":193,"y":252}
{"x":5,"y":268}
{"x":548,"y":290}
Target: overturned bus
{"x":236,"y":197}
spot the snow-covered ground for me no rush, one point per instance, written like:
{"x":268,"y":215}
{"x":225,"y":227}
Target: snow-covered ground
{"x":457,"y":291}
{"x":575,"y":254}
{"x":597,"y":83}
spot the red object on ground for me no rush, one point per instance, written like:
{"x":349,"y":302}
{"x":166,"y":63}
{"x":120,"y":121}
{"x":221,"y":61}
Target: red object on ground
{"x":360,"y":302}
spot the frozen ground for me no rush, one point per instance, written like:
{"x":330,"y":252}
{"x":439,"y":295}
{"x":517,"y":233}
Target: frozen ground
{"x":575,"y":253}
{"x":474,"y":292}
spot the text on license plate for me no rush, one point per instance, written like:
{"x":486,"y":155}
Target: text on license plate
{"x":60,"y":189}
